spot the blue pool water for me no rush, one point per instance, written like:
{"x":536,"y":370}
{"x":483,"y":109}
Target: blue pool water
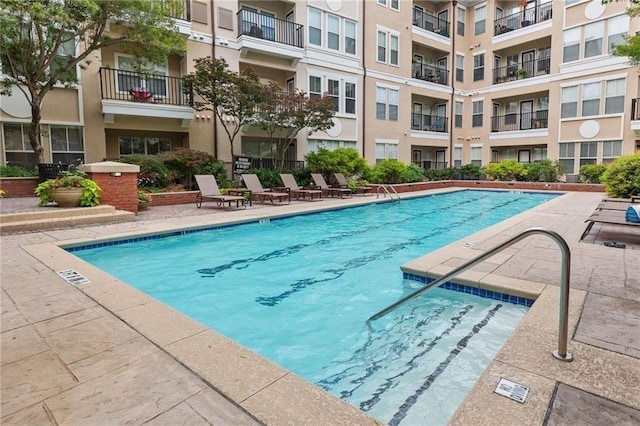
{"x":299,"y":291}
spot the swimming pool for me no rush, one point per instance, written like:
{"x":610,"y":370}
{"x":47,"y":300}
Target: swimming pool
{"x":268,"y":285}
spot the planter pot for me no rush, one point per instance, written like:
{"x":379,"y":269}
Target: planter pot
{"x":66,"y":197}
{"x":143,"y":205}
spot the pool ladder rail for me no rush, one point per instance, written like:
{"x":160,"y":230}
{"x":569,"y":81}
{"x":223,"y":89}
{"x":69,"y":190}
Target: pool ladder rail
{"x":391,"y":193}
{"x":560,"y":353}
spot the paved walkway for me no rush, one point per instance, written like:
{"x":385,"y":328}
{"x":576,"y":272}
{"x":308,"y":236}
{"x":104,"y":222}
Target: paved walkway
{"x":66,"y":359}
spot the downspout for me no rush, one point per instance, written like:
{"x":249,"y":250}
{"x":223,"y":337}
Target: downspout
{"x":364,"y":81}
{"x":213,"y":55}
{"x":454,"y":30}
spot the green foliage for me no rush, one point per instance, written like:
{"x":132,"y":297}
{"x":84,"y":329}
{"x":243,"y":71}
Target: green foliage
{"x":16,"y":171}
{"x":188,"y":162}
{"x":622,"y":177}
{"x":446,"y":173}
{"x":592,"y":173}
{"x":341,"y":160}
{"x":505,"y":170}
{"x":470,"y":171}
{"x":37,"y":55}
{"x":413,"y":173}
{"x":75,"y":179}
{"x":1,"y":193}
{"x":631,"y":46}
{"x":270,"y":178}
{"x":543,"y":171}
{"x":144,"y":196}
{"x":388,"y":171}
{"x":153,"y":171}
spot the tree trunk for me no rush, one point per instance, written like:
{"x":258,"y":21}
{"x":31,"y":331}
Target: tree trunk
{"x":34,"y":132}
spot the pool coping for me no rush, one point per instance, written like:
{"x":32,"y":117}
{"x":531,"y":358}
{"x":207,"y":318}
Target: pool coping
{"x":272,"y":394}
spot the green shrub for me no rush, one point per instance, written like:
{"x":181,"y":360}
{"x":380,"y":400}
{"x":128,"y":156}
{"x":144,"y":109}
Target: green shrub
{"x":505,"y":170}
{"x":341,"y":160}
{"x":439,"y":174}
{"x":592,"y":173}
{"x":413,"y":173}
{"x":153,"y":173}
{"x":470,"y":171}
{"x":188,"y":162}
{"x":270,"y":178}
{"x":388,"y":171}
{"x":622,"y":177}
{"x":16,"y":171}
{"x":543,"y":171}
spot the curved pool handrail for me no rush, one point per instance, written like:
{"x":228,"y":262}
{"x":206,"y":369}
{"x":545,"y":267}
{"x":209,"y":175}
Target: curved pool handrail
{"x":563,"y":333}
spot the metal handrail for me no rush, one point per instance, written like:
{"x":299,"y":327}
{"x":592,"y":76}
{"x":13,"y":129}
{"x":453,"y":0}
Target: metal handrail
{"x":561,"y":353}
{"x":386,"y":190}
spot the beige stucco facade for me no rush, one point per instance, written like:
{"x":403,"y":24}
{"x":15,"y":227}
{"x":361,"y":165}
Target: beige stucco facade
{"x":425,"y":82}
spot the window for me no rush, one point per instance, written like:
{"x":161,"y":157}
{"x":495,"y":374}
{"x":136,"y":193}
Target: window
{"x":591,"y":99}
{"x":459,"y":67}
{"x":333,"y":32}
{"x":588,"y":153}
{"x":476,"y":156}
{"x":386,"y":103}
{"x":130,"y":145}
{"x":510,"y":116}
{"x":566,"y":156}
{"x":478,"y":67}
{"x":611,"y":150}
{"x":539,"y":154}
{"x":67,"y":144}
{"x":17,"y":149}
{"x":66,"y":53}
{"x":614,"y":102}
{"x":458,"y":113}
{"x":618,"y":27}
{"x":394,"y":41}
{"x":593,"y":34}
{"x":382,"y":2}
{"x":569,"y":106}
{"x":315,"y":86}
{"x":571,"y":45}
{"x":480,"y":20}
{"x":315,"y":27}
{"x":461,"y":20}
{"x":382,"y":46}
{"x":457,"y":157}
{"x":509,"y":154}
{"x":314,"y":145}
{"x":477,"y":113}
{"x":154,"y":80}
{"x":395,"y":4}
{"x":350,"y":98}
{"x":350,"y":37}
{"x":333,"y":91}
{"x":386,"y":151}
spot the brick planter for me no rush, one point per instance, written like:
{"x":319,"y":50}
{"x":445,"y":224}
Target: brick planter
{"x":18,"y":186}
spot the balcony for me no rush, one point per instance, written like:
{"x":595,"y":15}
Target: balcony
{"x":141,"y":94}
{"x":527,"y":69}
{"x":430,"y":73}
{"x":429,"y":123}
{"x":539,"y":13}
{"x":268,"y":35}
{"x":635,"y":116}
{"x":427,"y":21}
{"x":522,"y":121}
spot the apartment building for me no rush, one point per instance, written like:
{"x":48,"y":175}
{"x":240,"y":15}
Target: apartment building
{"x":435,"y":83}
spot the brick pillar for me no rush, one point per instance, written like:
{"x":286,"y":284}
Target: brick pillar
{"x":118,"y":181}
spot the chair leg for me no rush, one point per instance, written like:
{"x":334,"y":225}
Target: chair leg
{"x":199,"y":200}
{"x":586,"y":231}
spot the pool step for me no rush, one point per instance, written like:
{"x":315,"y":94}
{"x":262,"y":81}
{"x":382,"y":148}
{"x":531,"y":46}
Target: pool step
{"x":61,"y":218}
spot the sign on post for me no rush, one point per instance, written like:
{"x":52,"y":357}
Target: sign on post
{"x":241,"y":165}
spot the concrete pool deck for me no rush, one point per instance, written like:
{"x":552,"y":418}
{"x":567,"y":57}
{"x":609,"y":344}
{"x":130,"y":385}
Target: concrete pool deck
{"x":105,"y":353}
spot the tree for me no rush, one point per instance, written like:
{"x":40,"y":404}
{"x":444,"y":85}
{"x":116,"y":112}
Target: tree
{"x":631,"y":47}
{"x":230,"y":95}
{"x":282,"y":114}
{"x":44,"y":41}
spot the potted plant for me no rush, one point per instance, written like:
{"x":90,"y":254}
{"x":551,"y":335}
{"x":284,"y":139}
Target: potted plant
{"x":70,"y":189}
{"x":144,"y":199}
{"x":521,"y":73}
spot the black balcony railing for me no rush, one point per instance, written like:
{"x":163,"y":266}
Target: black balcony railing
{"x":429,"y":123}
{"x":273,"y":163}
{"x":525,"y":69}
{"x":635,"y":109}
{"x":539,"y":13}
{"x":430,"y":73}
{"x":183,"y":12}
{"x":428,"y":164}
{"x":133,"y":86}
{"x":522,"y":121}
{"x":267,"y":27}
{"x":428,"y":21}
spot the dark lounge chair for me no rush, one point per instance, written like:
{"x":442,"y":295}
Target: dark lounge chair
{"x":318,"y":179}
{"x":300,"y":193}
{"x":343,"y":183}
{"x":612,"y":217}
{"x":209,"y":190}
{"x":252,"y":182}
